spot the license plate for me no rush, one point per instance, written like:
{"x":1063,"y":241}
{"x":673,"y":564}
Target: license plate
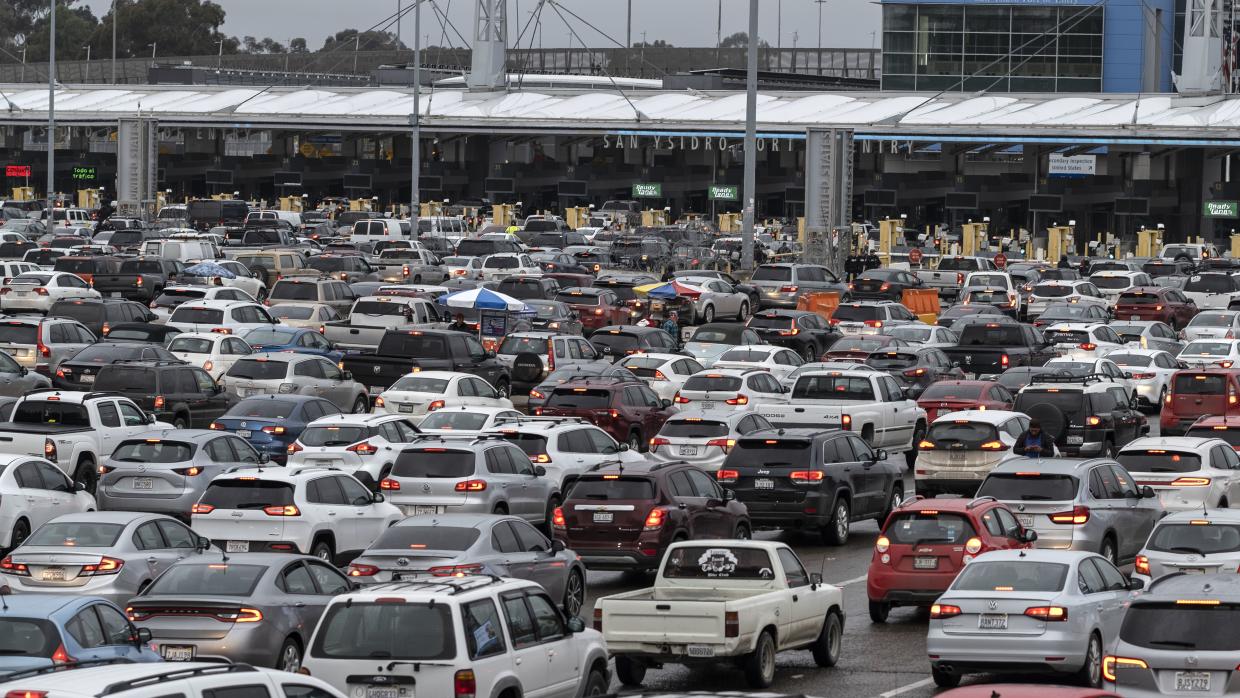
{"x":406,"y":408}
{"x":143,"y":483}
{"x":1193,"y":570}
{"x":763,"y":484}
{"x":22,"y":293}
{"x":1076,"y":440}
{"x":382,"y":692}
{"x":604,"y":517}
{"x":178,"y":653}
{"x":992,"y":621}
{"x":1192,"y":680}
{"x":688,"y":450}
{"x":1026,"y":520}
{"x":925,"y":563}
{"x":1134,"y":317}
{"x":87,"y":378}
{"x":115,"y":294}
{"x":53,"y":574}
{"x":375,"y":389}
{"x":708,"y":405}
{"x":244,"y":433}
{"x":957,"y":456}
{"x":237,"y":546}
{"x":700,"y":651}
{"x":419,"y":509}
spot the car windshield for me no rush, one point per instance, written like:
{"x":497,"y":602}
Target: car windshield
{"x":718,"y":562}
{"x":433,"y":463}
{"x":372,"y":632}
{"x":258,"y":369}
{"x":52,"y":413}
{"x":1182,"y":628}
{"x":333,"y":435}
{"x":857,"y":313}
{"x":1029,"y":487}
{"x":928,"y":527}
{"x":1213,"y":320}
{"x":76,"y":534}
{"x":405,"y":537}
{"x":580,"y":398}
{"x":216,"y":579}
{"x":830,"y":387}
{"x":712,"y":381}
{"x":1012,"y":575}
{"x":295,"y":291}
{"x":1202,"y":537}
{"x":693,"y":428}
{"x":513,"y":345}
{"x":1131,"y":359}
{"x":191,"y":345}
{"x":962,"y":433}
{"x":1159,"y":460}
{"x":420,"y":384}
{"x":153,"y":451}
{"x":1049,"y":291}
{"x":261,"y":408}
{"x":612,"y":487}
{"x":197,"y":316}
{"x":765,"y":273}
{"x":1111,"y":282}
{"x":1207,"y":349}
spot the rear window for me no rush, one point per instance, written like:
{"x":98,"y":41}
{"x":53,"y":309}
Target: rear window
{"x":829,"y":387}
{"x":57,"y":413}
{"x":693,"y":428}
{"x":1111,"y":282}
{"x":263,"y":335}
{"x":1138,"y":299}
{"x":1159,"y":461}
{"x":76,"y":534}
{"x":574,"y":298}
{"x":612,"y":487}
{"x":1032,"y":487}
{"x":380,"y":632}
{"x":580,"y":398}
{"x":1206,"y":349}
{"x":522,"y":345}
{"x":1066,"y":337}
{"x":773,"y":274}
{"x":127,"y":379}
{"x":858,"y":344}
{"x":419,"y":384}
{"x":418,"y":346}
{"x":381,"y":308}
{"x":434,"y":463}
{"x":1230,"y":435}
{"x":247,"y":493}
{"x":197,"y":316}
{"x":531,"y":444}
{"x":1213,"y":320}
{"x":292,"y":312}
{"x":1182,"y":627}
{"x":962,"y":434}
{"x":258,"y":370}
{"x":745,"y":355}
{"x":1199,"y":539}
{"x":1011,"y":576}
{"x":462,"y":421}
{"x":136,"y":266}
{"x":28,"y":637}
{"x":1199,"y":384}
{"x":1049,"y":291}
{"x":261,"y":408}
{"x":890,"y":360}
{"x":76,"y":264}
{"x":857,"y":313}
{"x":322,"y":263}
{"x":18,"y":333}
{"x":191,"y":345}
{"x":991,"y":334}
{"x":1210,"y":283}
{"x":770,"y":322}
{"x":85,"y":313}
{"x":925,"y":527}
{"x":295,"y":291}
{"x":153,"y":451}
{"x":1137,"y":360}
{"x":708,"y":382}
{"x":948,"y":391}
{"x":426,"y":538}
{"x":988,"y":296}
{"x":770,"y":452}
{"x":333,"y":436}
{"x":208,"y":580}
{"x":618,"y":343}
{"x":718,"y":562}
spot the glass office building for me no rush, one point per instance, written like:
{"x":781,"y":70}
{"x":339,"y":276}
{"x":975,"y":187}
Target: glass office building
{"x":1038,"y":46}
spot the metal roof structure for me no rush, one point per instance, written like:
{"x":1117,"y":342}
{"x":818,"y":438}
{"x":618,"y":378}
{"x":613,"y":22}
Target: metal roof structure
{"x":1079,"y":118}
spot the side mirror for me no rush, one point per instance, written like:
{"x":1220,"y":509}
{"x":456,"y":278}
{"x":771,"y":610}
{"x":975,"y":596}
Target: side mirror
{"x":79,"y":487}
{"x":264,"y":458}
{"x":1028,"y":536}
{"x":346,"y":375}
{"x":377,"y":498}
{"x":815,"y":578}
{"x":880,"y":454}
{"x":557,"y":545}
{"x":623,"y":447}
{"x":141,"y":636}
{"x":666,"y":403}
{"x":540,"y":471}
{"x":728,"y":496}
{"x":1147,"y":492}
{"x":576,"y":625}
{"x":1135,"y":584}
{"x":150,"y":419}
{"x":218,"y":389}
{"x":490,"y":353}
{"x":203,"y":544}
{"x":24,"y":370}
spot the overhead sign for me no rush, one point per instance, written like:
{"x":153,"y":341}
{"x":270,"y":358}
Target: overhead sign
{"x":724,"y":192}
{"x":1220,"y":209}
{"x":1071,"y":165}
{"x":86,"y":173}
{"x":647,"y":190}
{"x":17,"y":171}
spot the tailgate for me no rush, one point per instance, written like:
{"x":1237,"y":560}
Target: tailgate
{"x":670,"y":622}
{"x":792,"y":415}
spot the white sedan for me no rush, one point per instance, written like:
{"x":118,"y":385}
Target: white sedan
{"x":500,"y":266}
{"x":33,"y":491}
{"x":1207,"y":353}
{"x":664,"y":373}
{"x":779,"y":361}
{"x":468,"y":268}
{"x":467,"y":419}
{"x":1213,"y":324}
{"x":37,"y":291}
{"x":1082,"y":341}
{"x":214,"y":352}
{"x":1150,"y":370}
{"x":1047,"y":292}
{"x":922,"y":335}
{"x":426,"y":391}
{"x":718,"y":299}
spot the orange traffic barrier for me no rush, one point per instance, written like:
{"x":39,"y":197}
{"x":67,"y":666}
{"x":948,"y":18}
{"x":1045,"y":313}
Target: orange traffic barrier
{"x":824,"y":303}
{"x":924,"y":302}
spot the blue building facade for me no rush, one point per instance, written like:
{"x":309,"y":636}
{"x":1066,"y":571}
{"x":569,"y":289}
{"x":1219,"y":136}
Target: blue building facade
{"x":1028,"y":46}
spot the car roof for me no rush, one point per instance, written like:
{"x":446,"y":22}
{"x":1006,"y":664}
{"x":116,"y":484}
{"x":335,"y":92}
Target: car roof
{"x":288,"y":397}
{"x":216,"y":304}
{"x":213,"y":336}
{"x":960,"y":504}
{"x":1053,"y":466}
{"x":1229,"y":516}
{"x":445,"y":375}
{"x":463,"y":520}
{"x":290,"y":356}
{"x":1086,"y":326}
{"x":728,"y":416}
{"x":1165,"y":442}
{"x":435,"y":589}
{"x":36,"y":604}
{"x":993,"y":417}
{"x":1036,"y":555}
{"x":364,"y":419}
{"x":195,"y":435}
{"x":1192,"y":586}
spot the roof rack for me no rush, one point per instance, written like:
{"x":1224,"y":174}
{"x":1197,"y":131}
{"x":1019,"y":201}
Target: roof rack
{"x":299,"y":469}
{"x":54,"y":668}
{"x":149,"y":679}
{"x":152,"y":362}
{"x":980,"y":501}
{"x":86,"y":396}
{"x":1071,"y":378}
{"x":523,"y":419}
{"x":457,"y":585}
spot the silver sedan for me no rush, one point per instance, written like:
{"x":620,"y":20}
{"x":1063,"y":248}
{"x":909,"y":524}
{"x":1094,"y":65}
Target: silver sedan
{"x":719,"y":299}
{"x":1191,"y":542}
{"x":1028,"y":611}
{"x":444,"y":545}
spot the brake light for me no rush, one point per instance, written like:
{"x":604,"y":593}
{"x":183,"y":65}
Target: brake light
{"x":537,"y":395}
{"x":1143,"y":376}
{"x":913,"y":373}
{"x":973,"y":546}
{"x":282,"y":510}
{"x":60,"y":656}
{"x":740,"y":399}
{"x":680,"y":400}
{"x":159,"y":402}
{"x":216,"y":426}
{"x":658,"y":441}
{"x":993,"y":446}
{"x":456,"y":570}
{"x":294,"y":448}
{"x":1004,"y":361}
{"x":16,"y":569}
{"x":598,"y":619}
{"x":1078,"y":515}
{"x":221,"y":330}
{"x":725,"y":444}
{"x":105,"y":566}
{"x":941,"y":611}
{"x":187,"y":472}
{"x":202,"y":509}
{"x":959,"y":279}
{"x":873,"y":323}
{"x":846,"y":422}
{"x":208,"y":366}
{"x":470,"y":486}
{"x":1093,"y":420}
{"x":883,"y":544}
{"x":360,"y":570}
{"x":727,"y":475}
{"x":557,"y":518}
{"x":436,"y":405}
{"x":379,"y":401}
{"x":1088,"y":346}
{"x":464,"y":685}
{"x":1110,"y":663}
{"x":1142,"y":565}
{"x":731,"y":624}
{"x":1191,"y":482}
{"x":654,"y":520}
{"x":364,"y":448}
{"x":925,"y":445}
{"x":39,"y":290}
{"x":805,"y":477}
{"x":614,"y":414}
{"x":1047,"y":613}
{"x":787,"y":289}
{"x":404,"y":270}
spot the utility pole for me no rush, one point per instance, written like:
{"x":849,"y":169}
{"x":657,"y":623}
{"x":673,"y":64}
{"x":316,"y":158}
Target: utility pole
{"x":153,"y":47}
{"x":779,"y":26}
{"x":719,"y":37}
{"x":751,"y":140}
{"x":51,"y":110}
{"x":87,"y":47}
{"x":113,"y":42}
{"x":23,"y":79}
{"x":415,"y":199}
{"x":628,"y":41}
{"x":820,"y":4}
{"x":357,"y":43}
{"x":219,"y":59}
{"x":398,"y":16}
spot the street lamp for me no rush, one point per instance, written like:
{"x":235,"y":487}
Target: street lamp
{"x":219,"y":60}
{"x":113,"y":42}
{"x":23,"y":64}
{"x":87,"y":47}
{"x":153,"y":45}
{"x":820,"y":3}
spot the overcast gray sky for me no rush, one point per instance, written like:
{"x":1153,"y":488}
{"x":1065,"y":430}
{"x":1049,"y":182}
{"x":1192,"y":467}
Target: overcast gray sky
{"x":845,"y":23}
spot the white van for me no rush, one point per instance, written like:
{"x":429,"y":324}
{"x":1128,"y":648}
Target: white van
{"x":67,"y":217}
{"x":293,"y":218}
{"x":442,"y":227}
{"x":372,"y":229}
{"x":181,"y":250}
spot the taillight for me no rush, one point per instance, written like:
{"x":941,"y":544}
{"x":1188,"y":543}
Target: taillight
{"x":924,"y":445}
{"x":364,"y":448}
{"x":16,"y":569}
{"x":941,"y":611}
{"x":282,"y":510}
{"x":1093,"y":420}
{"x":380,"y":402}
{"x":993,"y":446}
{"x":105,"y":566}
{"x":159,"y":402}
{"x":1088,"y":346}
{"x":191,"y":471}
{"x":471,"y":486}
{"x":654,"y":520}
{"x":49,"y":450}
{"x":436,"y":405}
{"x":598,"y":619}
{"x":725,"y":444}
{"x":787,"y":289}
{"x":1004,"y":361}
{"x":679,"y":400}
{"x":1047,"y":613}
{"x":207,"y":366}
{"x":1078,"y":515}
{"x":873,"y":323}
{"x":658,"y":441}
{"x":60,"y":656}
{"x":614,"y":414}
{"x":40,"y":291}
{"x":388,"y":483}
{"x":359,"y":570}
{"x":216,"y":426}
{"x":846,"y":422}
{"x":959,"y":279}
{"x":201,"y":509}
{"x":740,"y":399}
{"x":537,"y":395}
{"x":731,"y":624}
{"x":456,"y":570}
{"x":885,"y":287}
{"x":883,"y":544}
{"x":727,"y":475}
{"x":658,"y":375}
{"x":464,"y":685}
{"x":806,"y":477}
{"x":273,"y":430}
{"x":541,"y":458}
{"x":1143,"y":376}
{"x":1142,"y":565}
{"x":1110,"y":663}
{"x":915,"y":372}
{"x":294,"y":448}
{"x":1191,"y":482}
{"x":973,"y":546}
{"x":557,"y":518}
{"x":241,"y":615}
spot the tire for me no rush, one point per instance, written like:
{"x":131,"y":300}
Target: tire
{"x":289,"y":658}
{"x":742,"y":532}
{"x":361,"y":405}
{"x":810,"y":353}
{"x":596,"y":684}
{"x":630,"y":672}
{"x":501,"y":509}
{"x":179,"y":422}
{"x":760,"y":665}
{"x":826,"y":649}
{"x":944,"y":679}
{"x":527,"y":367}
{"x":867,"y":435}
{"x":21,"y":531}
{"x":502,"y":388}
{"x":1162,"y":399}
{"x":744,"y":312}
{"x":1108,"y":448}
{"x":87,"y":475}
{"x":897,"y":496}
{"x":836,"y":530}
{"x":574,"y":594}
{"x":1110,"y":550}
{"x":879,"y":611}
{"x":1091,"y":673}
{"x":635,"y":443}
{"x":322,"y":549}
{"x":1050,"y":417}
{"x":919,"y":433}
{"x":708,"y":315}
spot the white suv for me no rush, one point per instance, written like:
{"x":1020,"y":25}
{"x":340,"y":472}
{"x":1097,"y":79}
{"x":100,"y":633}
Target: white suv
{"x":564,"y":445}
{"x":191,"y":680}
{"x":309,"y":509}
{"x":1187,"y":472}
{"x":482,"y":636}
{"x":363,"y":445}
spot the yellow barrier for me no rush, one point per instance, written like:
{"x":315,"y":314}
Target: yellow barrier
{"x":924,"y":302}
{"x":824,"y":303}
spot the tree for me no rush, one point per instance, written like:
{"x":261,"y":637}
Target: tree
{"x":179,"y":27}
{"x":364,"y":41}
{"x":741,"y":40}
{"x":298,"y":45}
{"x":25,"y":20}
{"x":75,"y":28}
{"x":657,"y":43}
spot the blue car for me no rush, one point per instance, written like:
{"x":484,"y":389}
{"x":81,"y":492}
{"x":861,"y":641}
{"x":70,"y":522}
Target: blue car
{"x":271,"y":422}
{"x":295,"y":339}
{"x":39,"y":630}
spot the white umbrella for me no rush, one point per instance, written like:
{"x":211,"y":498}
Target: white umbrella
{"x":482,"y":299}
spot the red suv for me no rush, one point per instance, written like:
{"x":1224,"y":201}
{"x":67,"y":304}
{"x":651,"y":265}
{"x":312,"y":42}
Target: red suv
{"x":1225,"y":428}
{"x":623,"y":517}
{"x":597,"y":307}
{"x":1195,"y":394}
{"x":628,"y":410}
{"x":926,"y":542}
{"x":952,"y":396}
{"x":1167,"y":305}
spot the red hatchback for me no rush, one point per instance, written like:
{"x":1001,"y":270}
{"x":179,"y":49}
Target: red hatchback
{"x":1167,"y":305}
{"x":926,"y":542}
{"x":1225,"y":428}
{"x":952,"y":396}
{"x":597,"y":307}
{"x":1196,"y":394}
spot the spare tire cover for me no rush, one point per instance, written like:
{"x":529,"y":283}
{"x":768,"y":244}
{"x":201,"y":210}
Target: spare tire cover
{"x":1050,"y":417}
{"x":527,"y":367}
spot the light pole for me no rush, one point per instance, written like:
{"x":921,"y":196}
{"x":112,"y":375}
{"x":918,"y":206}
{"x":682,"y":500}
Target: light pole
{"x":23,"y":64}
{"x":153,"y":47}
{"x":113,"y":42}
{"x":51,"y":110}
{"x":719,"y":37}
{"x":87,"y":47}
{"x":628,"y":41}
{"x":820,"y":3}
{"x":415,"y":199}
{"x":751,"y":141}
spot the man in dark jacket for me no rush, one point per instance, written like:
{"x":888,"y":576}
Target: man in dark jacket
{"x":1034,"y":443}
{"x":872,"y":261}
{"x":1064,"y":263}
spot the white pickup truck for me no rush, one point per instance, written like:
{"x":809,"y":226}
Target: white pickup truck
{"x":372,"y":316}
{"x":718,"y":599}
{"x":869,"y":403}
{"x":949,"y":277}
{"x":75,"y":430}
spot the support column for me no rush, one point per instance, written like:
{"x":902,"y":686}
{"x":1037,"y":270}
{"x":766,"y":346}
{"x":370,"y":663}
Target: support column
{"x":828,"y":196}
{"x":489,"y":69}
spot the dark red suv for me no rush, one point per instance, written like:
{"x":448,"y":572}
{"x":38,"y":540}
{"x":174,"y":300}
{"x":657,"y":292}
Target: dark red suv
{"x":628,"y":410}
{"x":1168,"y":305}
{"x":597,"y":307}
{"x":622,"y":517}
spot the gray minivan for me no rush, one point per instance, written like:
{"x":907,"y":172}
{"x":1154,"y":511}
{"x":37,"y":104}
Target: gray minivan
{"x":779,"y":285}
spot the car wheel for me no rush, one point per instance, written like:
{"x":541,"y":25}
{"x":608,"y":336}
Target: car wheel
{"x":742,"y":532}
{"x":836,"y":530}
{"x":708,"y":315}
{"x":809,"y":353}
{"x":574,"y":594}
{"x":360,"y":405}
{"x":760,"y":666}
{"x":322,"y":550}
{"x":21,"y":531}
{"x":1162,"y":399}
{"x":501,"y":509}
{"x":897,"y":496}
{"x":630,"y":672}
{"x":1108,"y":449}
{"x":290,"y":656}
{"x":1091,"y":673}
{"x":635,"y":442}
{"x":744,"y":313}
{"x":502,"y":388}
{"x":596,"y":685}
{"x":179,"y":423}
{"x":87,"y":475}
{"x":943,"y":678}
{"x":1110,"y":551}
{"x":879,"y":611}
{"x":826,"y":649}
